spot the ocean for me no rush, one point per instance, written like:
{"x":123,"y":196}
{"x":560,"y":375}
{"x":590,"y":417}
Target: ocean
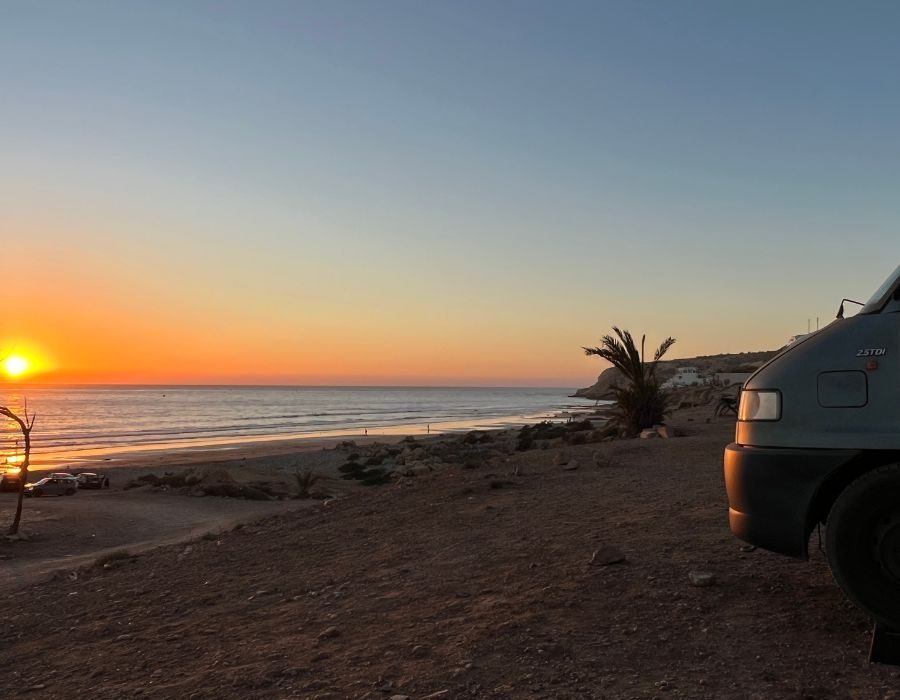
{"x":85,"y":422}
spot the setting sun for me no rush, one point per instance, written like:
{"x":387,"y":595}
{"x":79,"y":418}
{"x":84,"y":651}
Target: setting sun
{"x":15,"y":365}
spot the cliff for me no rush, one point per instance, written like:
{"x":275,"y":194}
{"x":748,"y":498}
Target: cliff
{"x":742,"y":361}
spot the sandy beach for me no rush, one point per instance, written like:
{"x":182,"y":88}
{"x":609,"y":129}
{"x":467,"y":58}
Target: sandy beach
{"x":474,"y":580}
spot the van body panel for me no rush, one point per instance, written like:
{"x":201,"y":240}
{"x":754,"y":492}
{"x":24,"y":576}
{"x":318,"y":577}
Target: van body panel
{"x":868,"y":344}
{"x":771,"y":493}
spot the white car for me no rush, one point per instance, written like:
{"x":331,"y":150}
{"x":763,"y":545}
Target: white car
{"x":52,"y":486}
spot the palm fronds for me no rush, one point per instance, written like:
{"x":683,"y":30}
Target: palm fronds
{"x":640,"y":403}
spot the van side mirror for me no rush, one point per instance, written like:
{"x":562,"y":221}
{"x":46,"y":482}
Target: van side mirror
{"x":840,"y":313}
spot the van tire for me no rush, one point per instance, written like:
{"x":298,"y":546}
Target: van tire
{"x":862,"y":540}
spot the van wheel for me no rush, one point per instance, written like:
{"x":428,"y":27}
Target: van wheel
{"x":863,"y":543}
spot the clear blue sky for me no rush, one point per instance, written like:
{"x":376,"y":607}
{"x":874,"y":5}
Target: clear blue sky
{"x":467,"y":180}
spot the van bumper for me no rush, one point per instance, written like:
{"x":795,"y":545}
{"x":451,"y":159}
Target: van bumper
{"x":771,"y":491}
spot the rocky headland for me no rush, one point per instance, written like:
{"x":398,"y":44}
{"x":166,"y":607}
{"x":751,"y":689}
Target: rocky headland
{"x":601,"y":390}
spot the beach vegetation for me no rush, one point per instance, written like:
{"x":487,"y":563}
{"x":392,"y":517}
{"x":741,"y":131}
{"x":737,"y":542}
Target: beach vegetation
{"x":171,"y":480}
{"x":640,"y":401}
{"x":366,"y":475}
{"x":305,"y":481}
{"x":572,"y":432}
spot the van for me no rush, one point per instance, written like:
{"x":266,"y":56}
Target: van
{"x":818,"y":442}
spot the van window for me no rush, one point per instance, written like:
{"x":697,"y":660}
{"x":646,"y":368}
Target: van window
{"x":879,"y":297}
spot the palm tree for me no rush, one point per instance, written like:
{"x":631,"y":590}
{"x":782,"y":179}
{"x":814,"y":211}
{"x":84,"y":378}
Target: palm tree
{"x":640,"y":403}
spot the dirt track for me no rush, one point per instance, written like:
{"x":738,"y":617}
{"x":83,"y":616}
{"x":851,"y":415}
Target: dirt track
{"x":470,"y":581}
{"x":70,"y":532}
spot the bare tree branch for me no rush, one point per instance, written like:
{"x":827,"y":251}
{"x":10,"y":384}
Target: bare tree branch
{"x":25,"y":427}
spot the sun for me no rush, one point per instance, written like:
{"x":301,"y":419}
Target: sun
{"x":15,"y":365}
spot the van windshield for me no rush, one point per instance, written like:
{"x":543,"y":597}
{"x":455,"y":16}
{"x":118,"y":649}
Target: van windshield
{"x":880,"y":296}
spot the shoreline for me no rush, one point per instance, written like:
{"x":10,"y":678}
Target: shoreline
{"x":135,"y":515}
{"x":191,"y":451}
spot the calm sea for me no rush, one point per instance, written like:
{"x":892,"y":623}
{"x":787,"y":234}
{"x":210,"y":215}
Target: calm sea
{"x":86,"y":421}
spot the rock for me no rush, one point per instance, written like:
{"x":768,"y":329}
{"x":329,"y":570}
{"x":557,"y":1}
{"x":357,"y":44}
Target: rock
{"x":560,"y":458}
{"x":420,"y":650}
{"x":399,"y":697}
{"x":648,"y":433}
{"x":702,"y":579}
{"x":607,"y":555}
{"x":748,"y":548}
{"x":330,"y":633}
{"x":666,"y":431}
{"x":571,"y":466}
{"x":603,"y":388}
{"x":601,"y":459}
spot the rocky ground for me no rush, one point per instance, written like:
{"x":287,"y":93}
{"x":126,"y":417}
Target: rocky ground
{"x":558,"y":571}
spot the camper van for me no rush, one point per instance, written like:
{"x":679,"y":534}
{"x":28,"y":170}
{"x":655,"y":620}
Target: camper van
{"x":818,"y":442}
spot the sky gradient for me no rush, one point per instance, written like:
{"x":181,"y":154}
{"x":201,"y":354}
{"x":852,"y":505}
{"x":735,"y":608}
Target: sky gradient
{"x":435,"y":192}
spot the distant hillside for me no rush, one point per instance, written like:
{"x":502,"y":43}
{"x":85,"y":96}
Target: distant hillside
{"x":737,"y":362}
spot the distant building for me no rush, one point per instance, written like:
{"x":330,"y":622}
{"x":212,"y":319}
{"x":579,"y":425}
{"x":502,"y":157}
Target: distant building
{"x":685,"y":376}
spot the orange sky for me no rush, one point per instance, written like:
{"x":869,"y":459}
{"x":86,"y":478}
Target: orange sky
{"x":90,"y":308}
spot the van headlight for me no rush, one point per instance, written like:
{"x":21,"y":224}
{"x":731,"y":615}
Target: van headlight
{"x":760,"y":405}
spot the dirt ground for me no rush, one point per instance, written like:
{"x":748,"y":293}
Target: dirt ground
{"x":462,"y":583}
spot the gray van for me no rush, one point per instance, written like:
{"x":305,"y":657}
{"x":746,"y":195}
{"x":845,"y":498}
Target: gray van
{"x":818,"y":441}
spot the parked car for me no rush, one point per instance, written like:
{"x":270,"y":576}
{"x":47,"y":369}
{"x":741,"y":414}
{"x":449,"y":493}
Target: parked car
{"x":65,"y":475}
{"x":89,"y":480}
{"x":10,"y":479}
{"x":52,"y":486}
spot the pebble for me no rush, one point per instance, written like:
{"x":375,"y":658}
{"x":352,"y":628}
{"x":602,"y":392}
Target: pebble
{"x":606,"y":556}
{"x":330,"y":633}
{"x":702,"y":579}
